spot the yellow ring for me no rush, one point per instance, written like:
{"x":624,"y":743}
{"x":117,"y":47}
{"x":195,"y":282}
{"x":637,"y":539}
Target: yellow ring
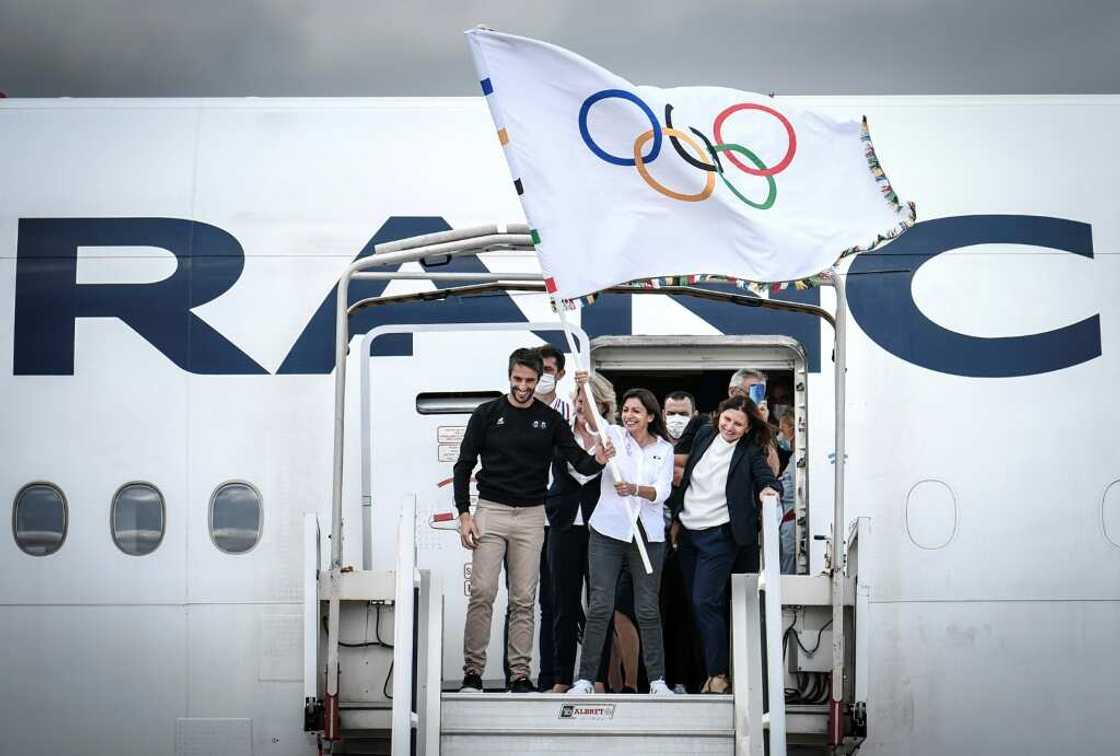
{"x":703,"y":194}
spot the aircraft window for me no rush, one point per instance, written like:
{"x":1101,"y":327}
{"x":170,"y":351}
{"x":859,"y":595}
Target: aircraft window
{"x":452,"y":402}
{"x":235,"y":517}
{"x":137,"y":518}
{"x":40,"y":519}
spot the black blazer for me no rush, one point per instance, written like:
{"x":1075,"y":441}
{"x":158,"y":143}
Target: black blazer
{"x":748,"y":475}
{"x":566,"y":495}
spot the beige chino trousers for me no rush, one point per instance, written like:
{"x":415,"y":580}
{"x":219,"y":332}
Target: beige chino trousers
{"x":514,"y":536}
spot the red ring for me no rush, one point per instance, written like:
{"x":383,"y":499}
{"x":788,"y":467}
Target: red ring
{"x":779,"y":167}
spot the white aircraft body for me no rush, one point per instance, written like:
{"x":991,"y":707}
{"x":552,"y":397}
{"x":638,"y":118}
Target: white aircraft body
{"x":166,"y":273}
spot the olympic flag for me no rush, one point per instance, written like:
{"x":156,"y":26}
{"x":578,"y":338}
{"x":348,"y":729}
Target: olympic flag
{"x":623,"y":182}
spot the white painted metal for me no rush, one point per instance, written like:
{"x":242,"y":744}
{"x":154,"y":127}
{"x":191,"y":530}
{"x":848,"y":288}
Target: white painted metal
{"x":403,"y":616}
{"x":770,"y":582}
{"x":448,"y":277}
{"x":311,"y":559}
{"x":560,"y":724}
{"x":429,"y":702}
{"x":840,"y":369}
{"x":858,"y":544}
{"x":746,"y":663}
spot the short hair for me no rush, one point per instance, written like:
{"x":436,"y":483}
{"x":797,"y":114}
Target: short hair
{"x":740,"y":376}
{"x":529,"y":358}
{"x":676,"y":396}
{"x":789,"y":415}
{"x":547,"y":351}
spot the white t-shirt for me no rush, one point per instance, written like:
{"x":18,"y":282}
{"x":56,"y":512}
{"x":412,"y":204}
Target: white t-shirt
{"x":651,"y":465}
{"x":563,"y":406}
{"x":705,"y":501}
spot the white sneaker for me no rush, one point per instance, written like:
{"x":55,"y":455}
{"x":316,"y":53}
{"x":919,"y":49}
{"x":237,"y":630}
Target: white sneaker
{"x":582,"y":688}
{"x":659,"y":688}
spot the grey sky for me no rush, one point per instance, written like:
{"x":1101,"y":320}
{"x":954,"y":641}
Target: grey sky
{"x":267,"y":48}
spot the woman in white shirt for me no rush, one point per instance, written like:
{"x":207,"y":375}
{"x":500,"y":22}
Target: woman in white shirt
{"x":644,"y":459}
{"x":715,"y":513}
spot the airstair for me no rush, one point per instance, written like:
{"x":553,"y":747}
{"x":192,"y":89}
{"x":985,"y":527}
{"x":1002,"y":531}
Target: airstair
{"x":352,"y":706}
{"x":423,"y":718}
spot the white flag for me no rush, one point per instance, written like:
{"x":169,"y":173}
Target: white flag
{"x":623,"y":182}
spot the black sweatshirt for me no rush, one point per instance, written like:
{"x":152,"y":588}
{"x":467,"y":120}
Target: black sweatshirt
{"x":516,"y":445}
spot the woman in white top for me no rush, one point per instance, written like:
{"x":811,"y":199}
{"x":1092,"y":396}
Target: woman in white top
{"x":644,"y":459}
{"x":715,"y":513}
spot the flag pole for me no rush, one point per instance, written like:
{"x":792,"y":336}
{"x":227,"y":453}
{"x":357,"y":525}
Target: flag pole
{"x":600,"y":425}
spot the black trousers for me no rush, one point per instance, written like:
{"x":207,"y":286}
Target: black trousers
{"x":567,"y":566}
{"x":545,"y":639}
{"x":684,"y":652}
{"x":708,"y":558}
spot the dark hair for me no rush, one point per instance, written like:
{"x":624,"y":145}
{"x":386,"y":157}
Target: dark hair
{"x":649,"y":401}
{"x":676,"y":396}
{"x":547,"y":351}
{"x":529,"y":358}
{"x":758,"y":430}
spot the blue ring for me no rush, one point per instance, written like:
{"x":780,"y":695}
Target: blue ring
{"x":622,"y":95}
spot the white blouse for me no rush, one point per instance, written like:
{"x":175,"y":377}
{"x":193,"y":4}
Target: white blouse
{"x":651,"y":465}
{"x":705,"y":500}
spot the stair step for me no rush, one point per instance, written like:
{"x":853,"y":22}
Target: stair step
{"x":497,"y":723}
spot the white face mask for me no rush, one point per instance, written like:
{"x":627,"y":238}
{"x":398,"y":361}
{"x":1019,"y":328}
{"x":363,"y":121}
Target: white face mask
{"x":676,"y":424}
{"x":546,"y":385}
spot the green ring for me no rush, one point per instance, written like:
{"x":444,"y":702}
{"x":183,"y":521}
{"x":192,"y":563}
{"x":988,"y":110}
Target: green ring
{"x":773,"y":195}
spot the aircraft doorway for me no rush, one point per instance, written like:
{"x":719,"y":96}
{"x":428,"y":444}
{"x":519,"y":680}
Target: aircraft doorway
{"x":703,"y":366}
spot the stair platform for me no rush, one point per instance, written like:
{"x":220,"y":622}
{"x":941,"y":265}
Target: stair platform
{"x":559,"y":724}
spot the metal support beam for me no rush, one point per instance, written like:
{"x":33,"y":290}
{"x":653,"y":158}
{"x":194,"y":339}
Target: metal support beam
{"x":403,"y":615}
{"x":836,"y":713}
{"x":770,"y":581}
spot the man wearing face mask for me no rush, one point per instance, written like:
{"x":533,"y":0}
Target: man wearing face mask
{"x":679,"y":408}
{"x":684,"y":656}
{"x":553,"y":361}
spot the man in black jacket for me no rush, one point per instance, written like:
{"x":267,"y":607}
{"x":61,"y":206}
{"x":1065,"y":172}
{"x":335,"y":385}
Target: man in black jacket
{"x":515,"y":436}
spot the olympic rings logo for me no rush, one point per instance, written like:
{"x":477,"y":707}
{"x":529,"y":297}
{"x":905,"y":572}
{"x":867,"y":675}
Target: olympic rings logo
{"x":702,"y":153}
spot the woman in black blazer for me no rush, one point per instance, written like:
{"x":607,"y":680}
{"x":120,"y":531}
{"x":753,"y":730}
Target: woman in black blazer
{"x":571,"y":500}
{"x":715,"y":520}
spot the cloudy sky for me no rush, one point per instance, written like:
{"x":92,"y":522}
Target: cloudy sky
{"x":268,"y":48}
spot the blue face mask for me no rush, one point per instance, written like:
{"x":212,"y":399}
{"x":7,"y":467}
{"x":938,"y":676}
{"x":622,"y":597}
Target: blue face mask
{"x":757,"y":392}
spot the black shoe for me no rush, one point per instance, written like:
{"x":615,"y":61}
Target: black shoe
{"x":472,"y":683}
{"x":626,"y":689}
{"x":522,"y":685}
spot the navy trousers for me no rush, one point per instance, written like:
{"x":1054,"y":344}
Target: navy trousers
{"x":708,"y":557}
